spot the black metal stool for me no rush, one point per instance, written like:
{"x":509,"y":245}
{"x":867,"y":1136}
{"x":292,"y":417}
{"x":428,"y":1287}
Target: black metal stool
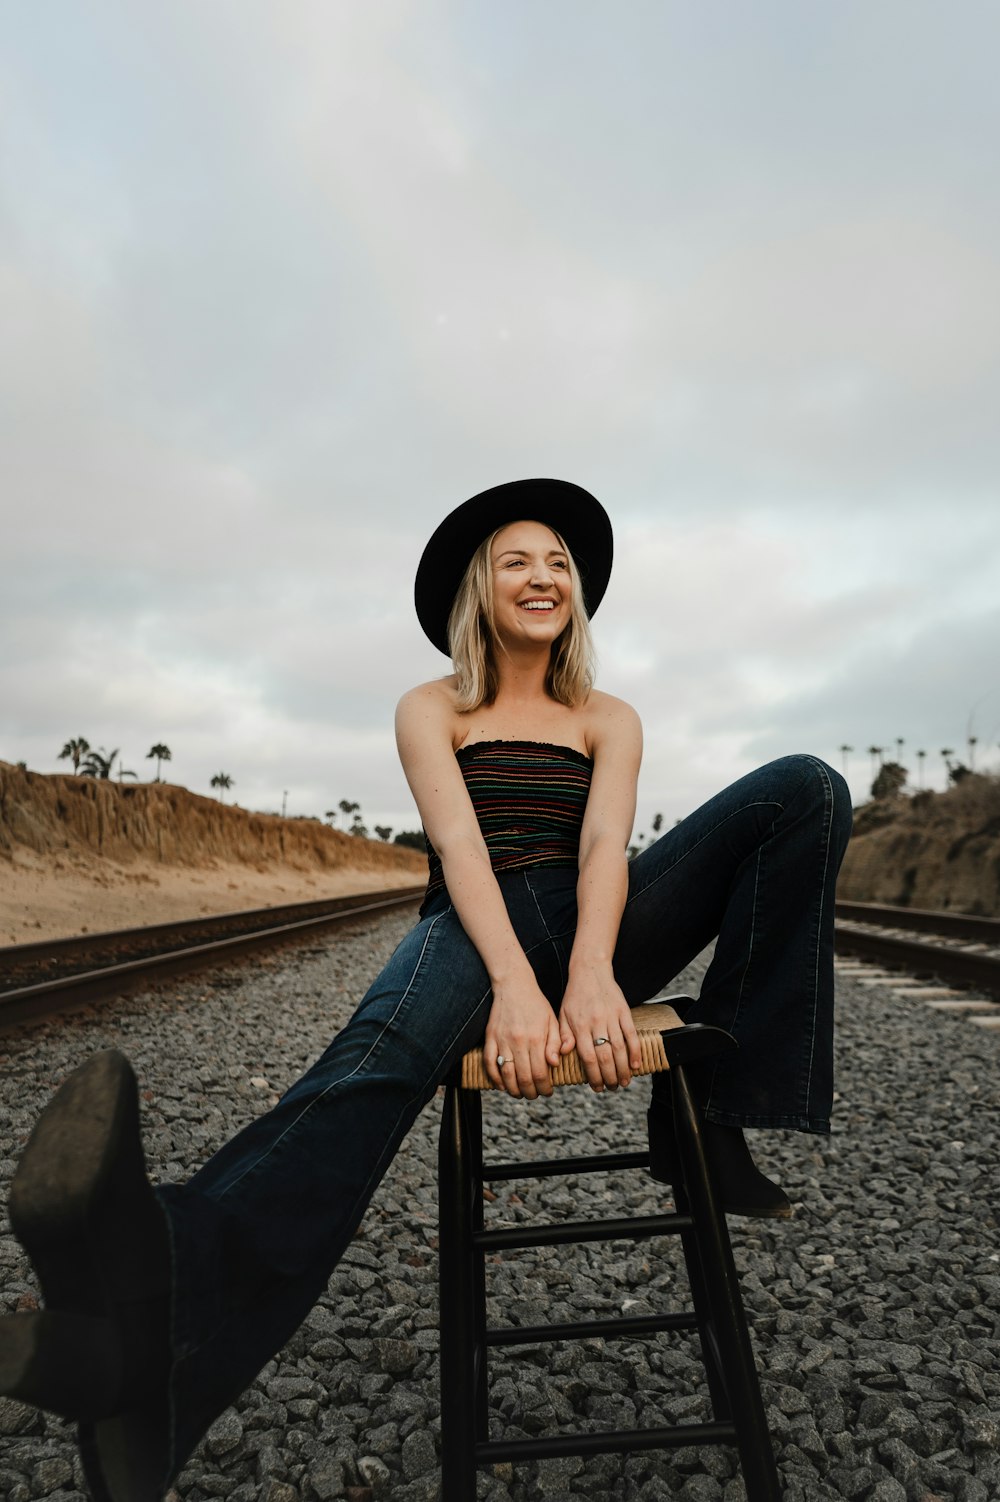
{"x":717,"y":1315}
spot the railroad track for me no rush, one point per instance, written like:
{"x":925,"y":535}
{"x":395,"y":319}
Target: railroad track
{"x":39,"y":979}
{"x":957,"y":948}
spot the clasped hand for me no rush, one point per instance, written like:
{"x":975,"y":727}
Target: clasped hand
{"x":526,"y":1035}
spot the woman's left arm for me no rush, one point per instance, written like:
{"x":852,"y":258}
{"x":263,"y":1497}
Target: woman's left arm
{"x":593,"y":1005}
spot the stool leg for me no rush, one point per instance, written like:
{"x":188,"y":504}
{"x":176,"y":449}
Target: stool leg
{"x":720,"y":1290}
{"x":471,"y":1103}
{"x":710,"y":1354}
{"x":721,"y":1406}
{"x":457,"y":1303}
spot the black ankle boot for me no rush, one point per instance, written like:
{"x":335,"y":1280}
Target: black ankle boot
{"x":85,"y":1212}
{"x":741,"y":1187}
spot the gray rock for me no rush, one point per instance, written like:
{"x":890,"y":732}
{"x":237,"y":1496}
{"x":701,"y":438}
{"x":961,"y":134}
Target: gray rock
{"x":553,"y":1477}
{"x":971,"y":1489}
{"x":18,"y":1418}
{"x":419,"y":1454}
{"x":394,"y":1356}
{"x":280,"y":1491}
{"x":376,"y":1474}
{"x":51,"y":1475}
{"x":887,"y":1490}
{"x":427,"y":1489}
{"x":225,"y":1434}
{"x":700,"y":1489}
{"x":325,"y":1478}
{"x":383,"y":1439}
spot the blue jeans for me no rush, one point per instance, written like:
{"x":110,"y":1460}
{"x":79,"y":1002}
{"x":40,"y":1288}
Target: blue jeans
{"x":257,"y":1230}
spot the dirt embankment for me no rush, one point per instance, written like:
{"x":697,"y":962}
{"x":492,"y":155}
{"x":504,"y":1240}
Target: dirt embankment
{"x":78,"y":854}
{"x":932,"y":850}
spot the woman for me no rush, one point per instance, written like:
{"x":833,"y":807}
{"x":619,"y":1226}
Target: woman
{"x":162,"y":1305}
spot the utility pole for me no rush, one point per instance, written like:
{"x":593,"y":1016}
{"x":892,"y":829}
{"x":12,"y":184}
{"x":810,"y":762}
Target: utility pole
{"x":284,"y":802}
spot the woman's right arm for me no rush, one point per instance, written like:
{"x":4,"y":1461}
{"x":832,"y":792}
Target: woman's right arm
{"x":522,"y":1024}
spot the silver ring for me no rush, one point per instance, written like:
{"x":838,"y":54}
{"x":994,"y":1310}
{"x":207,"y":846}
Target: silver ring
{"x":599,"y":1041}
{"x":501,"y":1061}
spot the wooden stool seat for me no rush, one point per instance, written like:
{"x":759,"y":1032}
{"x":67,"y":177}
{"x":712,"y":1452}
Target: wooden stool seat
{"x":717,"y":1314}
{"x":652,"y":1022}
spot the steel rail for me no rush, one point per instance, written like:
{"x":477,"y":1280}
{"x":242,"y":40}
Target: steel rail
{"x":923,"y":920}
{"x":944,"y":962}
{"x":14,"y":957}
{"x":33,"y":1002}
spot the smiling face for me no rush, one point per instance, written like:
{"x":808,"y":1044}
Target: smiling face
{"x":532,"y":585}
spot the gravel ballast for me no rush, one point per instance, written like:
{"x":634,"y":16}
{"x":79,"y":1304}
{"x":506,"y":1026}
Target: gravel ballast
{"x":874,"y":1312}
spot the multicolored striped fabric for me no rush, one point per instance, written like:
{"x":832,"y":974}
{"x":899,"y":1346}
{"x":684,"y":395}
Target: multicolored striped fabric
{"x":529,"y":798}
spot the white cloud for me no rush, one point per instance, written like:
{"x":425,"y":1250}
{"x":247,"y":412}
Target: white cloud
{"x":279,"y":288}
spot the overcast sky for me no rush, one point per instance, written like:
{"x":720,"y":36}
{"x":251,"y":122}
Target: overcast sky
{"x":282,"y":283}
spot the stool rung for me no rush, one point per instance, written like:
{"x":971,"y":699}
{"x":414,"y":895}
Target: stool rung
{"x":610,"y":1329}
{"x":635,"y":1228}
{"x":545,"y":1168}
{"x":620,"y":1440}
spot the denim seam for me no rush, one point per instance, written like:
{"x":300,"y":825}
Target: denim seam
{"x":762,"y":803}
{"x":538,"y":909}
{"x":360,"y":1066}
{"x":749,"y":958}
{"x":378,"y":1169}
{"x":356,"y":1070}
{"x":550,"y":938}
{"x":827,"y":830}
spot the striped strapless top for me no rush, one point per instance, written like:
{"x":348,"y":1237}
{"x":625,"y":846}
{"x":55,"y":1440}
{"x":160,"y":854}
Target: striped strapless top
{"x":529,"y":799}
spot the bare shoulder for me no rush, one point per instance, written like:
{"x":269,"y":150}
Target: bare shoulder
{"x":428,"y":707}
{"x":612,"y":721}
{"x":433,"y":698}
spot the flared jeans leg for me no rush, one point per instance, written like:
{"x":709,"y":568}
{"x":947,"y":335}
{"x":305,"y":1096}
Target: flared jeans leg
{"x":755,"y":868}
{"x":257,"y":1231}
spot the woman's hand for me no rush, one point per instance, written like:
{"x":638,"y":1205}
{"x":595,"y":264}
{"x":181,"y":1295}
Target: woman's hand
{"x":593,"y":1008}
{"x":524,"y":1032}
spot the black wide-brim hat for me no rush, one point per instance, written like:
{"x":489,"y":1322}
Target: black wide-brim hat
{"x":574,"y":513}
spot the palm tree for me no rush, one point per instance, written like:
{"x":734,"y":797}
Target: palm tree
{"x":973,"y":741}
{"x":384,"y":831}
{"x":347,"y":808}
{"x":873,"y":752}
{"x":222,"y":780}
{"x":77,"y":750}
{"x":899,"y":749}
{"x":845,"y":752}
{"x":920,"y":764}
{"x":161,"y":752}
{"x":98,"y":764}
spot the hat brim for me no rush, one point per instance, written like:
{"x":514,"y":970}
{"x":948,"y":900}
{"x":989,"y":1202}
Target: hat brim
{"x":574,"y":513}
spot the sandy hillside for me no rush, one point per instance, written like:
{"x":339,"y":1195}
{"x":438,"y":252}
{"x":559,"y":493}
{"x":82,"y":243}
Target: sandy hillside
{"x":930,"y":850}
{"x":79,"y":856}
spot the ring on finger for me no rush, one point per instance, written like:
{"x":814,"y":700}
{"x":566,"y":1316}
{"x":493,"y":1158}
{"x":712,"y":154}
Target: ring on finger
{"x":502,"y":1060}
{"x":599,"y":1041}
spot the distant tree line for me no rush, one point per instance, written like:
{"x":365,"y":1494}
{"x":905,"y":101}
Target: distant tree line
{"x":354,"y":824}
{"x":101,"y":764}
{"x":88,"y":762}
{"x":889,"y":778}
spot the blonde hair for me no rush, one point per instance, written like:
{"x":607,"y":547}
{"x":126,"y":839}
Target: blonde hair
{"x":472,"y":637}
